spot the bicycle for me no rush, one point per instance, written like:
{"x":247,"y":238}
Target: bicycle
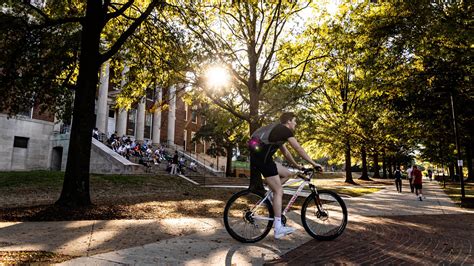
{"x":248,"y":215}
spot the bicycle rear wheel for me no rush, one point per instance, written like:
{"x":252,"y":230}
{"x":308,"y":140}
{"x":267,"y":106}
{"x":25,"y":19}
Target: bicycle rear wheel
{"x":329,"y":221}
{"x":246,"y":221}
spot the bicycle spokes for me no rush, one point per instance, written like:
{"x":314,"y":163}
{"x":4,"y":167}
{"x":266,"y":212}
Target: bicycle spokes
{"x":324,"y":215}
{"x":246,"y":221}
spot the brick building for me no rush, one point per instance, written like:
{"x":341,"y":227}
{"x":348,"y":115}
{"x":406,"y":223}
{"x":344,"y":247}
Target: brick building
{"x":32,"y":140}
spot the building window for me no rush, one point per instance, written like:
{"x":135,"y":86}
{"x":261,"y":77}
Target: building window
{"x":194,"y":142}
{"x":131,"y":122}
{"x":194,"y":116}
{"x":111,"y":113}
{"x":185,"y":133}
{"x":185,"y":112}
{"x":147,"y":131}
{"x":25,"y":112}
{"x":20,"y":142}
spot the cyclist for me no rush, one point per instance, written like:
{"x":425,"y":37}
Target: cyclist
{"x":263,"y":145}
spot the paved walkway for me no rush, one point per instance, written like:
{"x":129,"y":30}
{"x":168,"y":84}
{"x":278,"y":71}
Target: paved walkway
{"x":384,"y":227}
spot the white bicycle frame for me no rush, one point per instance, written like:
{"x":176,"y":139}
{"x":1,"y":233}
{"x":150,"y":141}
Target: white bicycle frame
{"x":290,"y":203}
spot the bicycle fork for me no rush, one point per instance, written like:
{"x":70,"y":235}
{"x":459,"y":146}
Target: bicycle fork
{"x":317,"y":201}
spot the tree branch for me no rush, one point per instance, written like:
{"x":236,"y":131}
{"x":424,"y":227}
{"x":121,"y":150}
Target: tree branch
{"x":48,"y":22}
{"x":121,"y":40}
{"x":119,"y":11}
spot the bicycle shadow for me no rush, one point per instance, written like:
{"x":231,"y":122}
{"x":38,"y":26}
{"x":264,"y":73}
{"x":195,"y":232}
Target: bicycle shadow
{"x":268,"y":249}
{"x":208,"y":247}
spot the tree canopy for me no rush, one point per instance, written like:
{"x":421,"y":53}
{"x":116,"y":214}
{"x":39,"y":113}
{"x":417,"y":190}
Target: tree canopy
{"x":371,"y":79}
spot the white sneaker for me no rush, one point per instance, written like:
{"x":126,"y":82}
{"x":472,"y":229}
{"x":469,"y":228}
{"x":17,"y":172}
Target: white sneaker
{"x":283,"y":231}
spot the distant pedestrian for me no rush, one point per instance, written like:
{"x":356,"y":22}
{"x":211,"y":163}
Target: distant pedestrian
{"x":398,"y":180}
{"x":410,"y":178}
{"x":417,"y":182}
{"x":174,"y":164}
{"x":430,"y":174}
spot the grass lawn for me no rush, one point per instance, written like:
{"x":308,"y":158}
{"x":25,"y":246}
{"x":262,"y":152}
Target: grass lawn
{"x":239,"y":164}
{"x":30,"y":196}
{"x":453,"y":189}
{"x":27,"y":257}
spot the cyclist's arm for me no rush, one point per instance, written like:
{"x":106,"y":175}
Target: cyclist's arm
{"x":294,"y":143}
{"x":288,"y":155}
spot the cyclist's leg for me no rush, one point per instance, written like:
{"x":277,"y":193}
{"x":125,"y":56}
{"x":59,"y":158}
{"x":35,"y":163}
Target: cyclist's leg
{"x":275,"y":185}
{"x":284,"y":173}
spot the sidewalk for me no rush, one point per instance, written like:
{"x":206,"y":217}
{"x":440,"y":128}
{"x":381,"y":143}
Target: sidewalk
{"x":205,"y":241}
{"x":388,"y":228}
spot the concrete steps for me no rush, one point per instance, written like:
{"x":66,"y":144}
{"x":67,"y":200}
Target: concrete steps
{"x":106,"y":161}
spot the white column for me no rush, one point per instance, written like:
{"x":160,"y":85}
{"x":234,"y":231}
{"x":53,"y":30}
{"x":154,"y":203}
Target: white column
{"x":140,"y":120}
{"x":171,"y":115}
{"x":102,"y":107}
{"x":156,"y":131}
{"x":121,"y":125}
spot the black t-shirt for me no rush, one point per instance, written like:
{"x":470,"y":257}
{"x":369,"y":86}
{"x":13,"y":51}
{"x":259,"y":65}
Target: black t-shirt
{"x":279,"y":133}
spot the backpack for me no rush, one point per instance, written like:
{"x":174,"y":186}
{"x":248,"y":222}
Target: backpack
{"x":398,"y":175}
{"x":260,"y":137}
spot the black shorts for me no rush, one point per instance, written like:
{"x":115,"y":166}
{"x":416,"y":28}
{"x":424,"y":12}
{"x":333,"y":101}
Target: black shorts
{"x":418,"y":186}
{"x":266,"y":168}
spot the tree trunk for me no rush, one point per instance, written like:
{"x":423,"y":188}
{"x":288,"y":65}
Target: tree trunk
{"x":376,"y":165}
{"x":365,"y":174}
{"x":470,"y":172}
{"x":228,"y":169}
{"x":384,"y":165}
{"x":256,"y":183}
{"x":75,"y":190}
{"x":451,"y":171}
{"x":390,"y":168}
{"x":348,"y":163}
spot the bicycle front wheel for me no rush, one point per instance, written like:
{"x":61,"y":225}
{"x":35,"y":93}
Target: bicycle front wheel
{"x":329,"y":220}
{"x":246,"y":218}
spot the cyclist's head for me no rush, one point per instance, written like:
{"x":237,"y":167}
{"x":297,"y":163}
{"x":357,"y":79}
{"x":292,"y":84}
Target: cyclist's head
{"x":288,"y":119}
{"x":285,"y":117}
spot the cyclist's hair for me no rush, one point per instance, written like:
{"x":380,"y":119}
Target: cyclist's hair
{"x":285,"y":117}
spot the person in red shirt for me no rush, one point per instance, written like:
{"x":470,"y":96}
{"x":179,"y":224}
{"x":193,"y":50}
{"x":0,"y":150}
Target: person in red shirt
{"x":417,"y":182}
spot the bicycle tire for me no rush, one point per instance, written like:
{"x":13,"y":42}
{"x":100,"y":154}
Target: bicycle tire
{"x":329,"y":224}
{"x":236,"y":213}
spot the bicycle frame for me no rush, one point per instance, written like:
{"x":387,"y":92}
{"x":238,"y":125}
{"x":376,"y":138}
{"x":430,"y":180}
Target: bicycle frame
{"x":306,"y":181}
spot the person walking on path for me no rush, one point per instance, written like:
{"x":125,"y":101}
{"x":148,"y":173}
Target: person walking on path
{"x":398,"y":180}
{"x":410,"y":178}
{"x":417,"y":182}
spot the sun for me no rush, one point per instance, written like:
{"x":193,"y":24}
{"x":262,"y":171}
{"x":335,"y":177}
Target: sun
{"x":217,"y":77}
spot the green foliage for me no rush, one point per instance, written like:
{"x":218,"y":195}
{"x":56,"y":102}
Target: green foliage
{"x":39,"y":64}
{"x":222,"y":130}
{"x":253,"y":41}
{"x":433,"y":40}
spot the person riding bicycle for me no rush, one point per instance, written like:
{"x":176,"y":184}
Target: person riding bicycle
{"x":263,"y":145}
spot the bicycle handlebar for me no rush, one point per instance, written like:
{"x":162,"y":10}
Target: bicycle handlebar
{"x":317,"y":169}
